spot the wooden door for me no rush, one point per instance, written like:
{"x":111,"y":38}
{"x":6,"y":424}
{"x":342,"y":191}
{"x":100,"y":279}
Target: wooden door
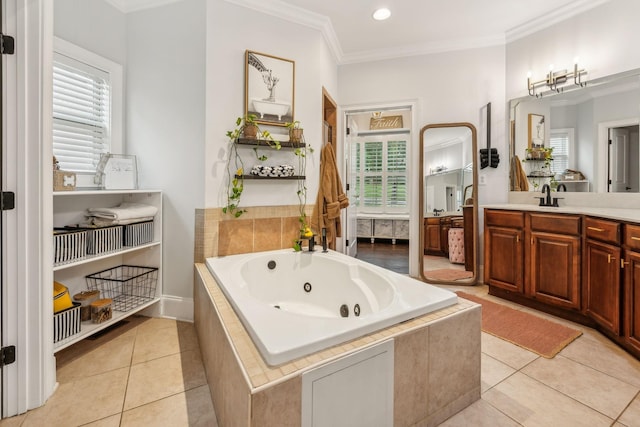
{"x":554,"y":269}
{"x":504,"y":258}
{"x":602,"y":284}
{"x":632,"y":298}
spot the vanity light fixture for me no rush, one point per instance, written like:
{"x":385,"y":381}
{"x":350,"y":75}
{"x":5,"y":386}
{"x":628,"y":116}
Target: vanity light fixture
{"x":381,"y":14}
{"x":555,"y":78}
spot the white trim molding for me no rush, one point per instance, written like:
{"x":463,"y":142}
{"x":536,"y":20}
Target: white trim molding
{"x":172,"y":307}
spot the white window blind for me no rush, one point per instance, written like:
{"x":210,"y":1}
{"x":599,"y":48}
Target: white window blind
{"x":81,"y":114}
{"x":561,"y":140}
{"x":87,"y":109}
{"x":381,"y":167}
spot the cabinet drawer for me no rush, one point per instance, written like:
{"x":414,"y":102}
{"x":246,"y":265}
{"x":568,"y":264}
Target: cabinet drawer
{"x":603,"y":230}
{"x":510,"y":219}
{"x":632,"y":236}
{"x":550,"y":223}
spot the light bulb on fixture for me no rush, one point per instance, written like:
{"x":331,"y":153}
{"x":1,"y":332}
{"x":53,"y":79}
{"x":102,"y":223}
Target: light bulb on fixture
{"x":381,"y":14}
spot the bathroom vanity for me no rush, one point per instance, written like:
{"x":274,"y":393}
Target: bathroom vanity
{"x":581,"y":263}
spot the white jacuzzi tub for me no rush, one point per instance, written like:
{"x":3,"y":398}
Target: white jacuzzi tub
{"x":294,"y":303}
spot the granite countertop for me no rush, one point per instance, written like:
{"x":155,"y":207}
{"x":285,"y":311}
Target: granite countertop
{"x":620,"y":214}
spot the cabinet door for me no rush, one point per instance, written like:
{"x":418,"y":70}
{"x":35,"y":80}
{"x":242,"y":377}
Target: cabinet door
{"x":432,"y":236}
{"x":602,"y":284}
{"x":632,"y":299}
{"x":554,"y":273}
{"x":444,"y":238}
{"x":504,"y":259}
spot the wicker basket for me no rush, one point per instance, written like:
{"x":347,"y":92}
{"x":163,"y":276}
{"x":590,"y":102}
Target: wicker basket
{"x":127,"y":285}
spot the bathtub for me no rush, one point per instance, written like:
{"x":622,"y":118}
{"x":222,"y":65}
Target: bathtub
{"x":297,"y":303}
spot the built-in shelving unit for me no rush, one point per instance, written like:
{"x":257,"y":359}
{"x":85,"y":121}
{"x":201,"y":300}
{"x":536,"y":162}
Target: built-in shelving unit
{"x":275,"y":178}
{"x":69,"y":207}
{"x":268,"y":143}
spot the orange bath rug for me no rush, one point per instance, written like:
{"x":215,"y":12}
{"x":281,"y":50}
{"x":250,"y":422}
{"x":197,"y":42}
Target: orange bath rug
{"x":448,"y":274}
{"x":526,"y":330}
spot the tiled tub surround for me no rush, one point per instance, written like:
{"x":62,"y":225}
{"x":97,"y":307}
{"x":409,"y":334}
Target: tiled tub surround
{"x":296,"y":303}
{"x":261,"y":228}
{"x":436,"y":364}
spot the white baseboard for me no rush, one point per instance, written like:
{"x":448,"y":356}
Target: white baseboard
{"x":172,"y":307}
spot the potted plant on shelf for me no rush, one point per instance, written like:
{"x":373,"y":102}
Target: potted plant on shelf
{"x":295,"y":131}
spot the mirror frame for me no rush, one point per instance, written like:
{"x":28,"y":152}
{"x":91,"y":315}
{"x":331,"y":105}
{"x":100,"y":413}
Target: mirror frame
{"x":474,"y":141}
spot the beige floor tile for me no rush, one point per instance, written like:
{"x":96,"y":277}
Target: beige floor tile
{"x":82,"y":401}
{"x":113,"y":354}
{"x":152,"y":343}
{"x":533,"y":404}
{"x":191,"y":408}
{"x":112,"y":421}
{"x":13,"y":421}
{"x":493,"y":371}
{"x":631,"y":415}
{"x":160,"y":378}
{"x":609,"y":359}
{"x":155,"y":323}
{"x":586,"y":385}
{"x":480,"y":414}
{"x":505,"y":352}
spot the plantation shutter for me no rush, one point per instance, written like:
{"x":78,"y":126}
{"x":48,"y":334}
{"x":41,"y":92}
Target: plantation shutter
{"x":396,"y":174}
{"x":373,"y":167}
{"x":81,"y":114}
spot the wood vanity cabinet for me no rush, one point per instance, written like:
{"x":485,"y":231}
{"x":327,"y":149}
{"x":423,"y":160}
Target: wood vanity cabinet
{"x":631,"y":267}
{"x":554,"y":259}
{"x":503,"y":254}
{"x":432,"y":235}
{"x":602,"y":276}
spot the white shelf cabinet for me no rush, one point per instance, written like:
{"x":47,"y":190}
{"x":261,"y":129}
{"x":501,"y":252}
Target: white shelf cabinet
{"x":383,"y":228}
{"x":69,"y":207}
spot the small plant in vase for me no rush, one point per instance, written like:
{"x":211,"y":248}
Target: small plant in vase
{"x":296,"y":133}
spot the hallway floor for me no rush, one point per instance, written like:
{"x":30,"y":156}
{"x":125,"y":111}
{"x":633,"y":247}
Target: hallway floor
{"x":148,"y":372}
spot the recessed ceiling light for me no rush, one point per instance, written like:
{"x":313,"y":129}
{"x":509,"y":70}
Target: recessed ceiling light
{"x":381,"y":14}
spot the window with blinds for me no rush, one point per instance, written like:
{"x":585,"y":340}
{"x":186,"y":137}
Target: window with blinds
{"x":381,"y":180}
{"x":561,"y":140}
{"x":81,"y":114}
{"x":87,"y":109}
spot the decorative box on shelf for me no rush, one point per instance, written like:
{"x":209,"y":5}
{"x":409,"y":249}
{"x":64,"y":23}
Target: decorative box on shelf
{"x":64,"y":181}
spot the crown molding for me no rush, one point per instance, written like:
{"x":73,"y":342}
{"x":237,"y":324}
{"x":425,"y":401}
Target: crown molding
{"x":128,"y":6}
{"x":297,"y":15}
{"x":561,"y":14}
{"x":424,"y":49}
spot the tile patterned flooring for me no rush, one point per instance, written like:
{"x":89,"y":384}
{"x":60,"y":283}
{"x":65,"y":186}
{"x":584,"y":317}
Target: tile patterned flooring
{"x":149,"y":373}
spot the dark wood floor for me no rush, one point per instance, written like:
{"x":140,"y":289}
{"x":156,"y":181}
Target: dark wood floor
{"x":383,"y":253}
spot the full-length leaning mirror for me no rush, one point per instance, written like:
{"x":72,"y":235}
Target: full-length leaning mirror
{"x":448,"y":203}
{"x":574,"y":127}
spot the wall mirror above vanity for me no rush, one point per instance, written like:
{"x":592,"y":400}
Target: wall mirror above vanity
{"x":577,"y":125}
{"x":448,"y":203}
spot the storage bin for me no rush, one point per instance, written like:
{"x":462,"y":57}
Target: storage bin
{"x":66,"y":323}
{"x":138,"y":234}
{"x":69,"y":245}
{"x":64,"y":181}
{"x":127,"y":285}
{"x":104,"y":239}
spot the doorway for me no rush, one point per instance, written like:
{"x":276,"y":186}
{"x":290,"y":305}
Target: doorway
{"x":624,"y":155}
{"x":377,"y":145}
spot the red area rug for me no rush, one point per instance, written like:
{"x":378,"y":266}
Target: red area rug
{"x":534,"y":333}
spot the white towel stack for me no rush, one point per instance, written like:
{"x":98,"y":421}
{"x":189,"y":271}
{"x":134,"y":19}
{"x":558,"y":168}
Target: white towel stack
{"x":125,"y":213}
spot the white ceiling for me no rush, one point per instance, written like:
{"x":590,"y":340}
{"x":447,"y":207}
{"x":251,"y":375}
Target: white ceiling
{"x":415,"y":27}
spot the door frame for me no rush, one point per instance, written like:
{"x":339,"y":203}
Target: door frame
{"x":413,"y":166}
{"x":602,"y":151}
